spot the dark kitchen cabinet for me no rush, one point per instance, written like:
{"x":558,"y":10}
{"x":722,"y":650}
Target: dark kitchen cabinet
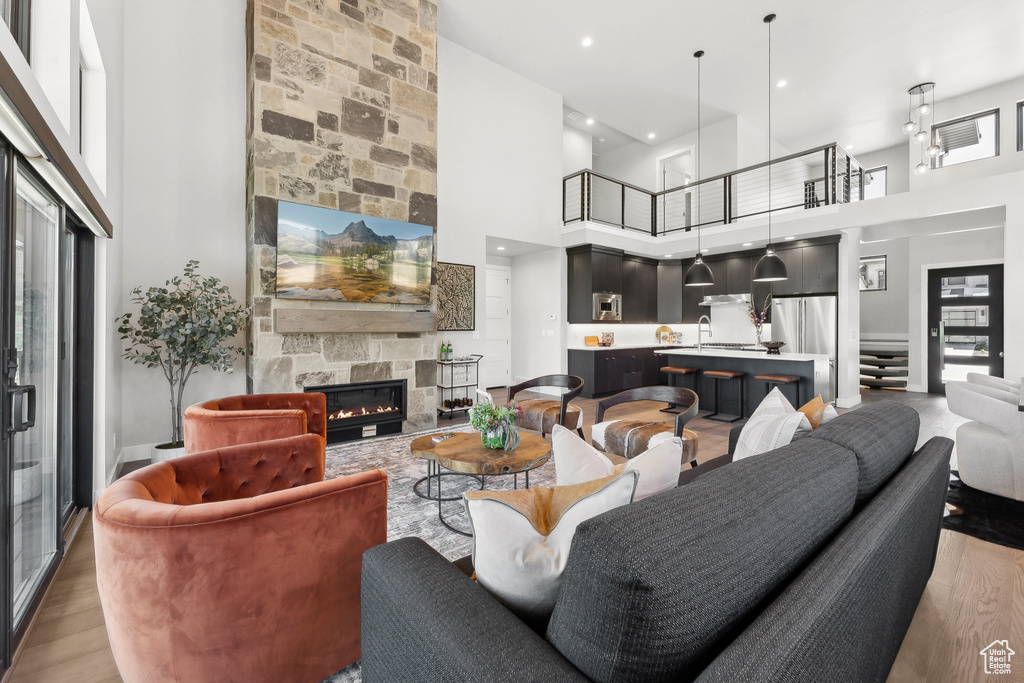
{"x":614,"y":370}
{"x":793,"y":258}
{"x":719,"y":271}
{"x":692,"y":296}
{"x":639,"y":290}
{"x":607,"y":272}
{"x":820,"y":269}
{"x":670,"y":292}
{"x":590,"y":269}
{"x":738,"y":273}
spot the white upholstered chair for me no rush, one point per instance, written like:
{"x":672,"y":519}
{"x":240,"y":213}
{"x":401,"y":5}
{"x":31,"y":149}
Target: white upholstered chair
{"x":990,"y":449}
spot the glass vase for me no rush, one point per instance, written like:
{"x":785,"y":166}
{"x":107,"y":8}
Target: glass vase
{"x":758,"y":330}
{"x":493,"y":437}
{"x":512,"y":438}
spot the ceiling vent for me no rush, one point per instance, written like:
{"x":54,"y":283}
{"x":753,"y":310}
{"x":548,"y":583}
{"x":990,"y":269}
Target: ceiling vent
{"x":573,"y":115}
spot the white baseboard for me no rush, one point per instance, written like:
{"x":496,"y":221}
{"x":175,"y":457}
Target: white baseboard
{"x":917,"y":388}
{"x":848,"y":401}
{"x":133,"y":453}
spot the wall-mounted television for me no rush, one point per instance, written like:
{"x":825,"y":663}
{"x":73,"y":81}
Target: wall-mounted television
{"x":329,"y":255}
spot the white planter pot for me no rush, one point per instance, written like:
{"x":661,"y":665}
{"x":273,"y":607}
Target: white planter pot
{"x":163,"y":452}
{"x":28,"y":481}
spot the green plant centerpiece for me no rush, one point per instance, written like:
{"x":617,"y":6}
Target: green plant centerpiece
{"x":497,"y":424}
{"x":181,"y":327}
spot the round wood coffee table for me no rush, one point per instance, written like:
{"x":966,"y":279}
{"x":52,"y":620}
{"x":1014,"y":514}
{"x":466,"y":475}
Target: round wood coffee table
{"x":423,"y":447}
{"x":465,"y":453}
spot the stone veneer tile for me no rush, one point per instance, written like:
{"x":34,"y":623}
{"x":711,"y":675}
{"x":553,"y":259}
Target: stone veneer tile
{"x":327,"y":120}
{"x":424,"y":157}
{"x":302,"y":343}
{"x":313,"y":379}
{"x":377,"y":189}
{"x":370,"y":372}
{"x":391,"y":68}
{"x":389,"y":157}
{"x":351,"y":12}
{"x":347,"y":201}
{"x":346,"y":348}
{"x":423,"y":209}
{"x":428,"y":16}
{"x":286,"y":126}
{"x":362,"y":120}
{"x":426,"y":373}
{"x":406,"y":49}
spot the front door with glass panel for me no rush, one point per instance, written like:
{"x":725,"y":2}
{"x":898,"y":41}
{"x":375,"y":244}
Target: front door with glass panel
{"x":965,"y":324}
{"x":31,"y":384}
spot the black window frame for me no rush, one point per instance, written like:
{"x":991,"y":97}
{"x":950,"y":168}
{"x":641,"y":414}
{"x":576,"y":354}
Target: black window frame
{"x":936,"y":161}
{"x":1020,"y":126}
{"x":19,"y":22}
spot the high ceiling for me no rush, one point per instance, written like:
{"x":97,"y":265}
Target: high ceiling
{"x":848,"y":65}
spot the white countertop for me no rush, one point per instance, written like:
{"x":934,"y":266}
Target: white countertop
{"x":730,"y":353}
{"x":618,"y":347}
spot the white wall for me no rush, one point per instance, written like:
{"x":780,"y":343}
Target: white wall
{"x":883,"y":314}
{"x":499,"y":171}
{"x":577,"y":150}
{"x":897,"y":172}
{"x":184,"y":175}
{"x":946,"y":251}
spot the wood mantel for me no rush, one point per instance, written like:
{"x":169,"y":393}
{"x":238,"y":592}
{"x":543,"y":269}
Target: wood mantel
{"x":326,"y":321}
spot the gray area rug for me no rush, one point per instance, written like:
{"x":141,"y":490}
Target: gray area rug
{"x":408,"y":514}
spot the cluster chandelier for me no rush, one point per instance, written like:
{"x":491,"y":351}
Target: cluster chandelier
{"x":916,"y":126}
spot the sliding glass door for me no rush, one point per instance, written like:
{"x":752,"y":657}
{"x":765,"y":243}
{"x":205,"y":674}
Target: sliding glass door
{"x":33,"y":374}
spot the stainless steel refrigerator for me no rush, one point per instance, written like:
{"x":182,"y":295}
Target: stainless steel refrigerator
{"x":808,"y":325}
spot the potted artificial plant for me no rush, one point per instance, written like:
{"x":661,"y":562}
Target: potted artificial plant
{"x":181,"y":327}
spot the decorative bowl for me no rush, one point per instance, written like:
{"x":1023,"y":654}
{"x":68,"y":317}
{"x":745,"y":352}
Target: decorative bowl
{"x":773,"y":347}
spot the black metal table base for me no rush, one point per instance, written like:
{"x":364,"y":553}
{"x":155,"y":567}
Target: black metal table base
{"x":440,"y":514}
{"x":435,"y":475}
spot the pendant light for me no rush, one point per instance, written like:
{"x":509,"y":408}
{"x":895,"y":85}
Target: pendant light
{"x":698,"y":275}
{"x":770,"y":268}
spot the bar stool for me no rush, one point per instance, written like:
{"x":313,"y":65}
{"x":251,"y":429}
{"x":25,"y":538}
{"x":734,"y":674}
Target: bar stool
{"x":727,"y":375}
{"x":780,"y":381}
{"x":674,"y":373}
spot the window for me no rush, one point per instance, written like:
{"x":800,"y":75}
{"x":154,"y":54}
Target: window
{"x":16,"y":14}
{"x":968,"y":138}
{"x":874,"y":182}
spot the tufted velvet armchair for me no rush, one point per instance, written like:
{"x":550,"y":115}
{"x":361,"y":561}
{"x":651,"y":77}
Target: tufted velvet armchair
{"x":236,"y":564}
{"x":253,"y":417}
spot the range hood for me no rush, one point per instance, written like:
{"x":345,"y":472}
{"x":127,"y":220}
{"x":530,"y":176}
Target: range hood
{"x":726,"y":300}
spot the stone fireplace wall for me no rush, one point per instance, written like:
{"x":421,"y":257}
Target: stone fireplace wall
{"x":342,"y":113}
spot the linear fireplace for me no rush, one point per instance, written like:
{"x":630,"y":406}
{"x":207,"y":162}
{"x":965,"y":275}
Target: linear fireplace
{"x":363,"y":409}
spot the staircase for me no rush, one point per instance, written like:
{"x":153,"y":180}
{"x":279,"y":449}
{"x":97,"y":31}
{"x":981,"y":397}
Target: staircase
{"x":884,"y":364}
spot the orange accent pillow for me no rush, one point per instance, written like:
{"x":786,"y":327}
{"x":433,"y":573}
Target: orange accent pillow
{"x":814,"y":410}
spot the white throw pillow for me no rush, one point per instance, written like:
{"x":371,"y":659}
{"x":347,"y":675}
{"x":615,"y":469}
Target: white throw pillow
{"x":830,"y":414}
{"x":772,"y":426}
{"x":521,"y":538}
{"x":576,"y":461}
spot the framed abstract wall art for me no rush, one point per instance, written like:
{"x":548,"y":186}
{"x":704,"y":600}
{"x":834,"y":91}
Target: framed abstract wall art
{"x":456,"y":297}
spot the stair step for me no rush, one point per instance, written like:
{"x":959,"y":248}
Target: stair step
{"x":884,"y":362}
{"x":894,"y":352}
{"x":884,"y":383}
{"x":885,"y":372}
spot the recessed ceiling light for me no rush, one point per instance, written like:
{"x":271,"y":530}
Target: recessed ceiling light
{"x":501,"y":248}
{"x":590,"y":122}
{"x":600,"y":140}
{"x":848,"y":147}
{"x":704,"y":251}
{"x":668,"y":255}
{"x":650,"y":136}
{"x":587,"y":41}
{"x":747,"y":244}
{"x":783,"y":83}
{"x":791,"y":237}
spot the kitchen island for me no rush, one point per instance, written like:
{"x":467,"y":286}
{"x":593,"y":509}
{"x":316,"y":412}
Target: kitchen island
{"x":813,"y":370}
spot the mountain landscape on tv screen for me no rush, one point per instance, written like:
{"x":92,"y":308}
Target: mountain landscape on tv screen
{"x":330,"y":255}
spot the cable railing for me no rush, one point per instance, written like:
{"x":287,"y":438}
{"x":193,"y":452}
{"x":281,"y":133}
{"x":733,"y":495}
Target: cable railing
{"x":805,"y":180}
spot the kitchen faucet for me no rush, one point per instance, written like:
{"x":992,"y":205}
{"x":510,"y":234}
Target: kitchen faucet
{"x":700,"y":331}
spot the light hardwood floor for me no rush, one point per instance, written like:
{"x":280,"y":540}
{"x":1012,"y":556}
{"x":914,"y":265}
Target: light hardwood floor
{"x":975,"y":595}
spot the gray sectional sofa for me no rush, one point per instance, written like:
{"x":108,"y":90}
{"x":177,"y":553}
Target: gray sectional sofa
{"x":803,"y":564}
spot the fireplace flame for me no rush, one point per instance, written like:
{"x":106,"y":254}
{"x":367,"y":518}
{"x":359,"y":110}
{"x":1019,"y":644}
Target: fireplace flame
{"x":342,"y":414}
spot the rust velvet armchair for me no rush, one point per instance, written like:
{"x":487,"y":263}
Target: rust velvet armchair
{"x":253,"y":417}
{"x":236,"y":564}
